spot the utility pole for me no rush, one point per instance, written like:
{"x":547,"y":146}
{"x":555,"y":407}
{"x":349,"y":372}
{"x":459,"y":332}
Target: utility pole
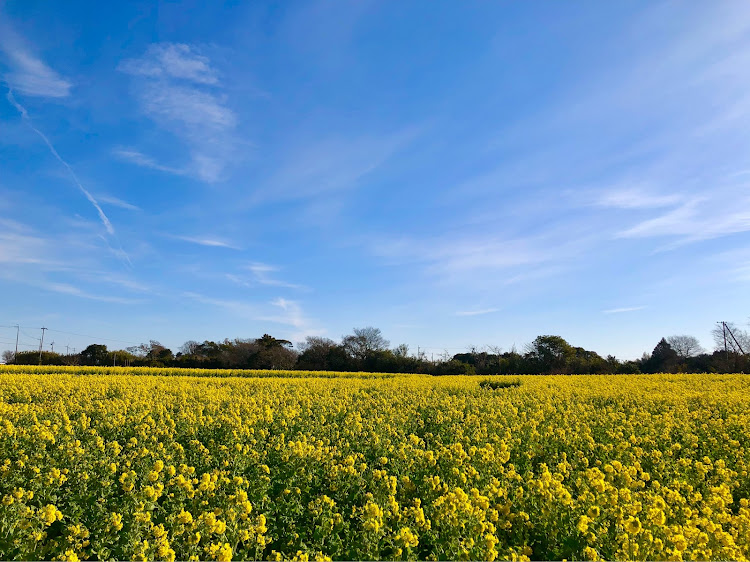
{"x":41,"y":343}
{"x":52,"y":345}
{"x":15,"y":357}
{"x":742,"y":351}
{"x":66,"y":349}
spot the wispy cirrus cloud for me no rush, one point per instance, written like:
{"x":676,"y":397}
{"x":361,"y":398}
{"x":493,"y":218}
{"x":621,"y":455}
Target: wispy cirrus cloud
{"x":479,"y":312}
{"x":206,"y":241}
{"x":120,"y":252}
{"x":293,"y":315}
{"x":117,"y":202}
{"x":288,"y":313}
{"x":262,"y":274}
{"x":623,"y":309}
{"x":465,"y":256}
{"x":637,"y":198}
{"x":28,"y":73}
{"x":716,"y":213}
{"x":23,"y":248}
{"x":59,"y":262}
{"x":325,"y":165}
{"x":180,"y":91}
{"x":72,"y":290}
{"x":140,"y":159}
{"x":236,"y":307}
{"x":172,"y":60}
{"x":24,"y":114}
{"x":31,"y":76}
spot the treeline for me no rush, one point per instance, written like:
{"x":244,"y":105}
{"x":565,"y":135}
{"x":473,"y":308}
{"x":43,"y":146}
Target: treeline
{"x":367,"y":350}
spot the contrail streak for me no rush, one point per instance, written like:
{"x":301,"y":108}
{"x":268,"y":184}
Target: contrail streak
{"x":25,"y":116}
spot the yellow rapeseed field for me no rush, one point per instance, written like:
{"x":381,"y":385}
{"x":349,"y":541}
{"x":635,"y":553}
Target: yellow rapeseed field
{"x":130,"y":465}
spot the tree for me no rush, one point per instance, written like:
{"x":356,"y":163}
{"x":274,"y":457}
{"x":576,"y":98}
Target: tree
{"x":269,"y":342}
{"x":9,"y":357}
{"x":551,"y":353}
{"x":189,"y":347}
{"x":239,"y":353}
{"x":727,"y":336}
{"x":685,"y":346}
{"x":322,"y":354}
{"x":662,"y":360}
{"x":274,"y":353}
{"x":364,"y":342}
{"x":153,"y":353}
{"x":401,"y":350}
{"x":95,"y":354}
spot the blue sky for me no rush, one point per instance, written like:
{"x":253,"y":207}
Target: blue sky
{"x":452,"y":173}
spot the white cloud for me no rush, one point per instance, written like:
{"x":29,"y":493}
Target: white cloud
{"x":637,"y":198}
{"x":20,"y":248}
{"x":720,"y":212}
{"x":116,"y":202}
{"x":67,"y":289}
{"x":140,"y":159}
{"x":292,"y":315}
{"x":29,"y":74}
{"x":188,"y":106}
{"x":263,"y":275}
{"x":203,"y":241}
{"x":679,"y":221}
{"x":477,"y":312}
{"x":25,"y":116}
{"x":475,"y":252}
{"x":241,"y":308}
{"x":624,"y":309}
{"x":331,"y":164}
{"x":180,"y":91}
{"x":173,"y":60}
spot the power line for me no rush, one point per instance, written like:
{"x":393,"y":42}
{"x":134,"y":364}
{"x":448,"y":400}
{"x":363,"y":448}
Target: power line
{"x":20,"y":344}
{"x":93,"y":337}
{"x":97,"y":338}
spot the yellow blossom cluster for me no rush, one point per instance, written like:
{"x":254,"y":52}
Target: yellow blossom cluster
{"x":143,"y":464}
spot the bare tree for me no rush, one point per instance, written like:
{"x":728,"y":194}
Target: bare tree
{"x":9,"y":357}
{"x":727,"y":336}
{"x":318,"y":353}
{"x":364,"y":342}
{"x":189,"y":347}
{"x":401,"y":350}
{"x":685,"y":346}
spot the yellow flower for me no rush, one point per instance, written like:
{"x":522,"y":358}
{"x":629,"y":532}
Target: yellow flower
{"x":656,"y":516}
{"x":225,"y":553}
{"x":115,"y":521}
{"x":679,"y":542}
{"x":632,"y":525}
{"x":185,"y":517}
{"x":49,"y":514}
{"x":406,"y":538}
{"x":590,"y":554}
